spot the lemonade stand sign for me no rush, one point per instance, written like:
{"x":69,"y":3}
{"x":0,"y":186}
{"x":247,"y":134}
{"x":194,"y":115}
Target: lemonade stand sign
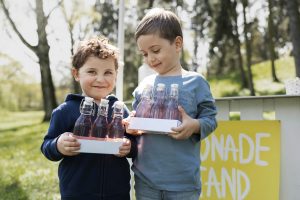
{"x":241,"y":160}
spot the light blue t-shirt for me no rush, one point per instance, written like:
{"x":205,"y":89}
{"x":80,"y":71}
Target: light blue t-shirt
{"x":174,"y":165}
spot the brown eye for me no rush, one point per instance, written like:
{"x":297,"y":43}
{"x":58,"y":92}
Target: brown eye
{"x":91,"y":72}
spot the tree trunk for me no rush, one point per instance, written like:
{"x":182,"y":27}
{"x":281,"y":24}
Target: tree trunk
{"x":195,"y":52}
{"x":49,"y":99}
{"x":237,"y":43}
{"x":42,"y":52}
{"x":248,"y":49}
{"x":150,"y":3}
{"x":294,"y":16}
{"x":271,"y":31}
{"x":221,"y":60}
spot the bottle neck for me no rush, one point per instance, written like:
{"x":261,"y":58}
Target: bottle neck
{"x":102,"y":111}
{"x":174,"y":93}
{"x":146,"y":94}
{"x":117,"y":119}
{"x":86,"y":110}
{"x":118,"y":115}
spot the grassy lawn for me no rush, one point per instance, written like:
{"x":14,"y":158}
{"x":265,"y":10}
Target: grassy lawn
{"x":229,"y":84}
{"x":24,"y":172}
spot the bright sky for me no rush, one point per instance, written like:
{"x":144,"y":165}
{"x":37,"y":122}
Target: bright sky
{"x":25,"y":20}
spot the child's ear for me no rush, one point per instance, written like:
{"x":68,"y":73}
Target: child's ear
{"x":178,"y":43}
{"x":75,"y":74}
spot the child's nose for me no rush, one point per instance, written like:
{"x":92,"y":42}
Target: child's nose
{"x":99,"y":78}
{"x":151,"y":59}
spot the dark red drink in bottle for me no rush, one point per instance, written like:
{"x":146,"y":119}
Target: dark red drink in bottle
{"x":144,"y":107}
{"x":172,"y":111}
{"x":83,"y":124}
{"x":117,"y":129}
{"x":157,"y":110}
{"x":100,"y":126}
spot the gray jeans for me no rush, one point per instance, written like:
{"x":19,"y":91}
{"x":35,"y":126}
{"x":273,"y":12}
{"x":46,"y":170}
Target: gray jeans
{"x":145,"y":192}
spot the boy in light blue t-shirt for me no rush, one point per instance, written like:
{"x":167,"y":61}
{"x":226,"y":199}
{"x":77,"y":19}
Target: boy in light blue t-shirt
{"x":168,"y":166}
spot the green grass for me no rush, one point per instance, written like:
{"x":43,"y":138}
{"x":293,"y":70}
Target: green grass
{"x":25,"y":173}
{"x":229,"y":84}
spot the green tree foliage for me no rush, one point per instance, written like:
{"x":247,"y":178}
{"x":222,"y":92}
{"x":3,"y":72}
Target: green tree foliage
{"x":17,"y":93}
{"x":107,"y":25}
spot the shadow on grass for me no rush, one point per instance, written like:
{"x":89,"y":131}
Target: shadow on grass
{"x":12,"y":191}
{"x":17,"y":128}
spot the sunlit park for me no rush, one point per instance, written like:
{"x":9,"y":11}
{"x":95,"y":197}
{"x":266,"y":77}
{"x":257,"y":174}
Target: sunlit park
{"x":247,"y":50}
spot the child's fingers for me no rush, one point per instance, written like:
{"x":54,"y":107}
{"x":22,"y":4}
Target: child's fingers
{"x":126,"y":145}
{"x":68,"y":144}
{"x":72,"y":149}
{"x":182,"y":112}
{"x":177,"y":129}
{"x":134,"y":132}
{"x":125,"y":148}
{"x":132,"y":113}
{"x":74,"y":144}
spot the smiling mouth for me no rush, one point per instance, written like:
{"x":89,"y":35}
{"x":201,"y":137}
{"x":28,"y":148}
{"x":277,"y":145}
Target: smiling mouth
{"x":99,"y":87}
{"x":156,"y":65}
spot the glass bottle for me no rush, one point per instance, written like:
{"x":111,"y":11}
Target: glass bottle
{"x":157,"y":110}
{"x":172,"y":111}
{"x":83,"y":124}
{"x":116,"y":128}
{"x":100,"y":126}
{"x":144,"y":107}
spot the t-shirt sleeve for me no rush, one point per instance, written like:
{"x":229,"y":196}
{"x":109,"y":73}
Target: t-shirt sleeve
{"x":206,"y":109}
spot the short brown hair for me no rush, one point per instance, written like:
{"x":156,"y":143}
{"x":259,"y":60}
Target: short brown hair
{"x":95,"y":47}
{"x":160,"y":21}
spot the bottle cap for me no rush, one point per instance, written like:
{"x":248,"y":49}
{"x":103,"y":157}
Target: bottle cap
{"x":174,"y":85}
{"x":88,"y":100}
{"x":119,"y":104}
{"x":160,"y":86}
{"x":104,"y":102}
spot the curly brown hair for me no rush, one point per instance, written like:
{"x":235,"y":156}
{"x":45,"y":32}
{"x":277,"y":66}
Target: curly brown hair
{"x":95,"y":47}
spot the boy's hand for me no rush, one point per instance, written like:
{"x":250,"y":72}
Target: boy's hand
{"x":67,"y":144}
{"x":187,"y":127}
{"x":126,"y":122}
{"x":125,"y":148}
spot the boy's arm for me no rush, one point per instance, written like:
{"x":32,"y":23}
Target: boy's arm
{"x":58,"y":125}
{"x":49,"y":149}
{"x":207,"y":118}
{"x":205,"y":122}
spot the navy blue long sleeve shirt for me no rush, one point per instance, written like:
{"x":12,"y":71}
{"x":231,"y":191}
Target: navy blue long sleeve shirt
{"x":86,"y":176}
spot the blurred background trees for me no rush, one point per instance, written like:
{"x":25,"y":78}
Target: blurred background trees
{"x":223,"y":40}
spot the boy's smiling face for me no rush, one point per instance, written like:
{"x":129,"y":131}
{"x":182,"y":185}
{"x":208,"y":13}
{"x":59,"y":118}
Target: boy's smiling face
{"x":160,"y":54}
{"x":97,"y":77}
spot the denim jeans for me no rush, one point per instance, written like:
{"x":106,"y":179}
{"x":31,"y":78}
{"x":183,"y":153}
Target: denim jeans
{"x":145,"y":192}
